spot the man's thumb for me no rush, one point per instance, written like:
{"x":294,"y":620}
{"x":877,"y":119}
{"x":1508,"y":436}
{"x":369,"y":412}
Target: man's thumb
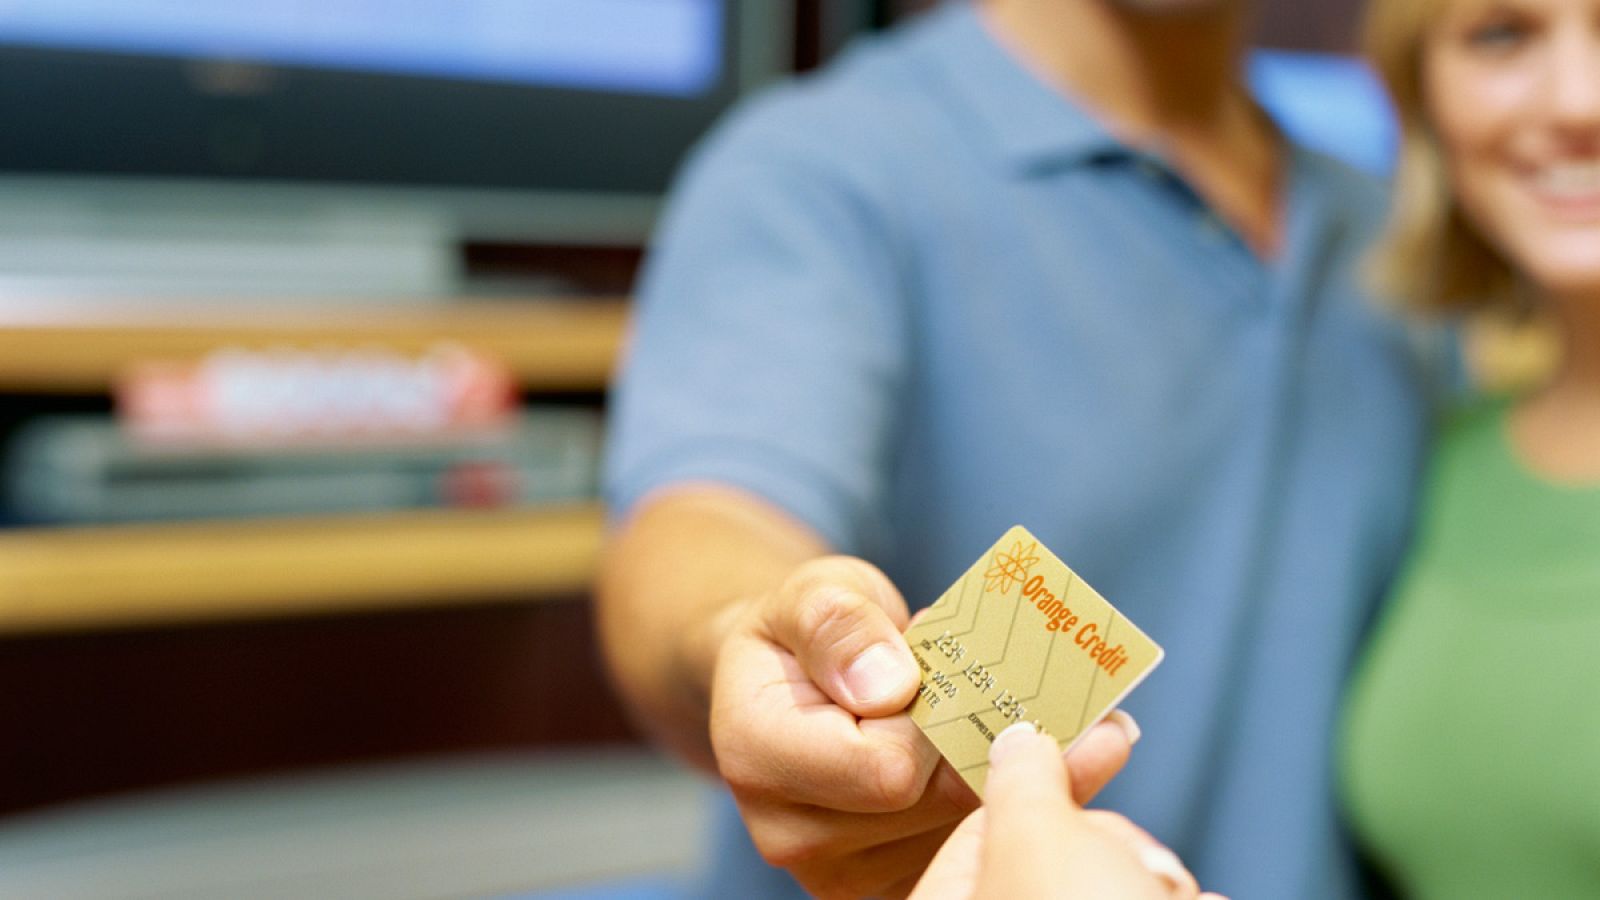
{"x":842,"y":618}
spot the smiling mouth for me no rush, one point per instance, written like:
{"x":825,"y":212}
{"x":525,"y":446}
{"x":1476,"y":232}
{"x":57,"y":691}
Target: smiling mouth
{"x":1569,"y":188}
{"x":1571,"y":180}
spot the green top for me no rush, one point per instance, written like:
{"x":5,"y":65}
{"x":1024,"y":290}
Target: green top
{"x":1471,"y":749}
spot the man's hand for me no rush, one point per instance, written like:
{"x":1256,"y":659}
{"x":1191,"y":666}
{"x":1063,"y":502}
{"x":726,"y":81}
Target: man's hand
{"x":746,"y":650}
{"x":1032,"y":840}
{"x":834,"y":781}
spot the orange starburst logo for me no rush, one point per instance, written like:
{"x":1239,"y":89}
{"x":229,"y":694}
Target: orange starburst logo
{"x":1006,"y":569}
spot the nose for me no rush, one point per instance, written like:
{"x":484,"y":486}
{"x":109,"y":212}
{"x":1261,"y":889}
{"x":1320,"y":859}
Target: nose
{"x":1574,"y":83}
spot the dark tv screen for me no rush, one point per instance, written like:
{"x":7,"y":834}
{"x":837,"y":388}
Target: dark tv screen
{"x":543,"y":95}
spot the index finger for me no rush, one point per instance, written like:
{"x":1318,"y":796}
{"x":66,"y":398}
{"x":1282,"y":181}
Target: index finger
{"x":776,"y":733}
{"x":1031,"y":816}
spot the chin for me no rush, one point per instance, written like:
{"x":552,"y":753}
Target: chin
{"x":1568,"y":268}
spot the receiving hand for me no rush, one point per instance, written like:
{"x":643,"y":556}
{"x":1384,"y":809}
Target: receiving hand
{"x":1032,"y":840}
{"x":834,"y":781}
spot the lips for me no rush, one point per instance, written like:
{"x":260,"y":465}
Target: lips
{"x":1569,"y":190}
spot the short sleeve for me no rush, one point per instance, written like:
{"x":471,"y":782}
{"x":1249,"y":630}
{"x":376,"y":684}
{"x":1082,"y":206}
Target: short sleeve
{"x":768,"y":344}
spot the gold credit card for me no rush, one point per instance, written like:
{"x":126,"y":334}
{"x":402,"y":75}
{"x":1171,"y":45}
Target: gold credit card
{"x":1020,"y":637}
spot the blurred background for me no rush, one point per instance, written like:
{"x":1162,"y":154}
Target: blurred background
{"x":307,"y":311}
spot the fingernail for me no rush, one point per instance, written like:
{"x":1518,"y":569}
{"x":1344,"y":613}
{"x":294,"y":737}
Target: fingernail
{"x":1125,"y":721}
{"x":1008,"y":740}
{"x":875,"y":674}
{"x":1164,"y":864}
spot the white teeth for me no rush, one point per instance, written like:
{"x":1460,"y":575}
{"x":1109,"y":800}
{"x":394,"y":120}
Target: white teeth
{"x":1572,"y":179}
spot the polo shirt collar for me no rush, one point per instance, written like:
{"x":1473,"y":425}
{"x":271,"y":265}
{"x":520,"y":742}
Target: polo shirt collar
{"x":1028,"y":124}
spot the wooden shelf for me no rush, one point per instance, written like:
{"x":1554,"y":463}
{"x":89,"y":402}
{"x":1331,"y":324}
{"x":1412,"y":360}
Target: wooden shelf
{"x":80,"y":347}
{"x":60,"y":579}
{"x":83,"y":578}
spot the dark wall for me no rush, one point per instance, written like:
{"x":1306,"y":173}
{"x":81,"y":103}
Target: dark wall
{"x":1329,"y":25}
{"x":1289,"y":24}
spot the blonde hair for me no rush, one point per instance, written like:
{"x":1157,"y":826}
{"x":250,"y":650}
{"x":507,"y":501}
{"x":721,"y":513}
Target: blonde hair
{"x":1430,"y":259}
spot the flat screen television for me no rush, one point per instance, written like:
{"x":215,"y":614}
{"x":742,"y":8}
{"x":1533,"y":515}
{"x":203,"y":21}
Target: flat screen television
{"x":428,"y":121}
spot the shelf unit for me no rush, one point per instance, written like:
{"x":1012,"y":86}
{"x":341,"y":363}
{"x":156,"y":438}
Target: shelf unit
{"x":64,"y":579}
{"x":79,"y":347}
{"x":76,"y":578}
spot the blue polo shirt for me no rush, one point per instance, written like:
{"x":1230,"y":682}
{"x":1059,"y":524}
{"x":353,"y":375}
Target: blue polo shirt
{"x":922,"y":296}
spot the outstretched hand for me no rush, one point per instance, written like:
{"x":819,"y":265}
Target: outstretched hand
{"x":833,"y":780}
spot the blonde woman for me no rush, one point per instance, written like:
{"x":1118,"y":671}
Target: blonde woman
{"x":1471,"y":757}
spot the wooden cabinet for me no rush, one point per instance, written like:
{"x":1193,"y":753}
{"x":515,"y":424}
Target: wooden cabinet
{"x":80,"y":578}
{"x":151,"y":654}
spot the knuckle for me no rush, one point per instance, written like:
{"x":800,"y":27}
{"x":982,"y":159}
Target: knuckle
{"x":723,"y":734}
{"x":952,"y":797}
{"x":828,"y":615}
{"x":743,"y":774}
{"x":739,"y":778}
{"x":810,"y":574}
{"x":896,"y":782}
{"x":725,"y":747}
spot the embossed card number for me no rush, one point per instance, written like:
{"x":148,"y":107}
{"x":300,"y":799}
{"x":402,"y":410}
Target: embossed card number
{"x":1020,"y":637}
